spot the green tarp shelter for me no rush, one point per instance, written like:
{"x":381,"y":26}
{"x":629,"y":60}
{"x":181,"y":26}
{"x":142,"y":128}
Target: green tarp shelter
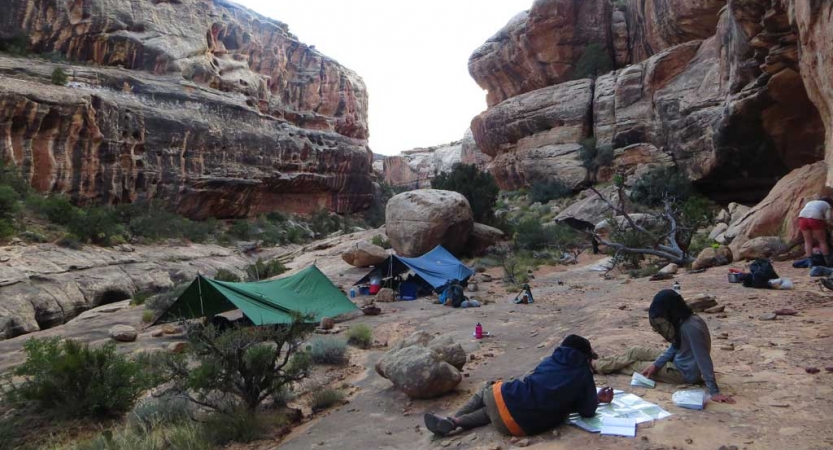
{"x":308,"y":292}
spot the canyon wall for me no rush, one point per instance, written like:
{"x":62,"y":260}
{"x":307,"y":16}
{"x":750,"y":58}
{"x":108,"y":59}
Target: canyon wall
{"x":202,"y":104}
{"x":737,"y":94}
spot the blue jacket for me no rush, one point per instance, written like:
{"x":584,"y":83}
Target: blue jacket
{"x":560,"y":385}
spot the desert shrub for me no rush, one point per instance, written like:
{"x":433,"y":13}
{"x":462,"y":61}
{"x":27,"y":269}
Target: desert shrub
{"x":381,"y":241}
{"x":325,"y":398}
{"x":180,"y":436}
{"x":360,"y":335}
{"x":15,"y":45}
{"x":652,"y":188}
{"x":140,"y":297}
{"x":698,"y":243}
{"x":243,"y":230}
{"x":76,"y":380}
{"x":55,"y":208}
{"x":631,"y":238}
{"x":227,"y":275}
{"x":322,"y":222}
{"x":552,"y":189}
{"x":9,"y":206}
{"x":594,"y":61}
{"x":70,"y":241}
{"x":329,"y":350}
{"x":276,"y":217}
{"x":97,"y":225}
{"x":239,"y":367}
{"x":262,"y":270}
{"x":161,"y":302}
{"x":644,"y":271}
{"x":148,"y":315}
{"x":10,"y":176}
{"x":153,"y":412}
{"x":479,"y":188}
{"x":33,"y":236}
{"x":59,"y":77}
{"x":10,"y":433}
{"x":513,"y":272}
{"x":530,"y":234}
{"x":594,"y":157}
{"x":152,"y":223}
{"x":241,"y":426}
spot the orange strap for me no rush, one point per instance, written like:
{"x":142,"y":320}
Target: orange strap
{"x":505,"y":415}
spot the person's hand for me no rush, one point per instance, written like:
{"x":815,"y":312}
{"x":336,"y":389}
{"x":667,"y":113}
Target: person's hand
{"x":649,"y":371}
{"x":606,"y":395}
{"x":720,"y":398}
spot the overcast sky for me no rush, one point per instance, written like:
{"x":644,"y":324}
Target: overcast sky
{"x":412,"y":55}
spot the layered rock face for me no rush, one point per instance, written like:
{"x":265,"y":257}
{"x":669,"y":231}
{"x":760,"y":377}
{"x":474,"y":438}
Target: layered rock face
{"x":206,"y":105}
{"x":720,"y":91}
{"x":414,"y":169}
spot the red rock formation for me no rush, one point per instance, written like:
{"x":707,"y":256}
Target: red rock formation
{"x":540,"y":47}
{"x":655,"y":25}
{"x":216,"y":109}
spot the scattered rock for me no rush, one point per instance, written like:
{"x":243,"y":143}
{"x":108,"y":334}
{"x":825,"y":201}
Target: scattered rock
{"x":123,"y":333}
{"x":364,"y":254}
{"x":812,"y":370}
{"x":386,"y":295}
{"x":728,"y":347}
{"x":716,"y":309}
{"x":178,"y":347}
{"x":829,"y":368}
{"x":485,"y":278}
{"x":371,"y":310}
{"x":723,"y":335}
{"x":785,"y":312}
{"x":660,"y":276}
{"x":713,"y":257}
{"x":327,"y":323}
{"x":669,"y":269}
{"x":471,"y":287}
{"x":767,"y":316}
{"x":761,"y":247}
{"x":157,"y":333}
{"x":689,"y":441}
{"x":719,"y":229}
{"x":522,"y":443}
{"x":171,"y":329}
{"x":701,"y":302}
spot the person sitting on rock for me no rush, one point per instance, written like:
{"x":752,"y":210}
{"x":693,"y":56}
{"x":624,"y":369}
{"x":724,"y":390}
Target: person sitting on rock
{"x":686,"y":361}
{"x":812,"y":221}
{"x":559,"y":385}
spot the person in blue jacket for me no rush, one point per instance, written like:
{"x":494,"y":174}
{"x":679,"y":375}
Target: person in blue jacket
{"x":561,"y":384}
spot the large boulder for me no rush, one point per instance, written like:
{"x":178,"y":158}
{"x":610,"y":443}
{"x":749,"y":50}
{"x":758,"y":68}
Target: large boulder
{"x":422,"y":366}
{"x":713,"y":257}
{"x":364,"y":254}
{"x":123,"y":333}
{"x":777,"y":214}
{"x":761,"y":247}
{"x":589,"y":210}
{"x":483,"y":237}
{"x":418,"y":221}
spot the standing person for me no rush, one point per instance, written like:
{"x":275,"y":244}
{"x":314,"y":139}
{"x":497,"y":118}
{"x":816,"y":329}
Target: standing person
{"x":560,"y":385}
{"x":686,"y":361}
{"x":812,"y":221}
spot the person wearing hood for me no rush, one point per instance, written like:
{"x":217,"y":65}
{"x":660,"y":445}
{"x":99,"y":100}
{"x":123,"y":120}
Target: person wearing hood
{"x":686,"y":361}
{"x":560,"y":385}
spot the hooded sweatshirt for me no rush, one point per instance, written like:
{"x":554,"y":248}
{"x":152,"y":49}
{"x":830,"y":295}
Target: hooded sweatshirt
{"x":560,"y":385}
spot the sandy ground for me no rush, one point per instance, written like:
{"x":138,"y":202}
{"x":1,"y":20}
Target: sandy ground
{"x":779,"y":405}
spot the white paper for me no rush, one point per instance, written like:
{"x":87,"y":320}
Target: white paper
{"x":642,"y":381}
{"x":618,"y":426}
{"x":624,"y":405}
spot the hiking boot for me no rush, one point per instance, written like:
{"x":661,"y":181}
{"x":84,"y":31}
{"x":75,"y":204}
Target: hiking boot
{"x":440,"y":426}
{"x":828,"y":260}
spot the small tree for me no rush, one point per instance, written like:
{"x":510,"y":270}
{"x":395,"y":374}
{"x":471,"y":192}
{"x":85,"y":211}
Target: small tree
{"x":479,"y":188}
{"x":59,"y":77}
{"x":241,"y":366}
{"x":594,"y":157}
{"x":594,"y":61}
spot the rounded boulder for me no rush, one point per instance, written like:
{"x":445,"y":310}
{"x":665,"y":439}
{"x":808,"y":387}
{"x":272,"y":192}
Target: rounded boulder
{"x":364,"y":254}
{"x":417,"y":221}
{"x":123,"y":333}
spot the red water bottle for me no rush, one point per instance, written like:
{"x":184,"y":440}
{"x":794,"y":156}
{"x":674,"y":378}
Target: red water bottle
{"x":478,"y":331}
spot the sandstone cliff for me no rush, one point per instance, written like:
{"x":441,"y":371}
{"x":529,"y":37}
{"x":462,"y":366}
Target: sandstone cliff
{"x":738,"y":95}
{"x":201,"y":103}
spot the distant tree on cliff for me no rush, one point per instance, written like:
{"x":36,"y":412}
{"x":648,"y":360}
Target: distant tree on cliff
{"x":479,"y":188}
{"x":594,"y":61}
{"x":59,"y":77}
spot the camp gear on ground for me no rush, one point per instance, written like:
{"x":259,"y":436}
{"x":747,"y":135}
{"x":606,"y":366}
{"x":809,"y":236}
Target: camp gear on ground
{"x":801,"y":263}
{"x":375,"y":284}
{"x":435,"y":268}
{"x":735,"y":277}
{"x":408,"y":290}
{"x":760,"y":272}
{"x":364,"y":290}
{"x":828,"y":283}
{"x":456,"y":295}
{"x":470,"y":303}
{"x":667,"y":313}
{"x":676,"y":286}
{"x":525,"y":296}
{"x":820,"y":271}
{"x":352,"y":292}
{"x":560,"y":385}
{"x":781,"y":283}
{"x":308,"y":293}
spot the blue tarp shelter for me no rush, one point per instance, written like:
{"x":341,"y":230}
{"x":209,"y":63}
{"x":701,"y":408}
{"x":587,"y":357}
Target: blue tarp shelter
{"x":436,"y":268}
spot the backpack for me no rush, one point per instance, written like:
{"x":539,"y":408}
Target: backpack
{"x":760,"y":272}
{"x":455,"y":295}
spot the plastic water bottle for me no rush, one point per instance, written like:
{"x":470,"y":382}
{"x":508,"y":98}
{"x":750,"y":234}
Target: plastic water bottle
{"x":478,"y":331}
{"x":676,"y":287}
{"x":352,"y":292}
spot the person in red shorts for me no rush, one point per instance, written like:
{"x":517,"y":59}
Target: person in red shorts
{"x":812,"y":221}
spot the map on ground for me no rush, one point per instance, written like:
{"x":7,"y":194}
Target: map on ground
{"x":624,"y":405}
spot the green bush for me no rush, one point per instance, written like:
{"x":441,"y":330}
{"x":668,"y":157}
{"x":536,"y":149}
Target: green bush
{"x":10,"y":176}
{"x":56,"y":208}
{"x":552,"y":189}
{"x":161,"y":302}
{"x":17,"y":45}
{"x":10,"y":433}
{"x":276,"y":217}
{"x":154,"y":412}
{"x":227,"y":275}
{"x":181,"y":436}
{"x":140,"y":297}
{"x":261,"y":270}
{"x":652,"y":188}
{"x":594,"y":61}
{"x":33,"y":237}
{"x":71,"y":242}
{"x":360,"y":335}
{"x":239,"y":367}
{"x":329,"y":351}
{"x":75,"y":380}
{"x":239,"y":426}
{"x":381,"y":241}
{"x":479,"y":188}
{"x":148,"y":316}
{"x":59,"y":77}
{"x":594,"y":158}
{"x":97,"y":225}
{"x":325,"y":398}
{"x":9,"y":203}
{"x":322,"y":222}
{"x":242,"y":230}
{"x":151,"y":223}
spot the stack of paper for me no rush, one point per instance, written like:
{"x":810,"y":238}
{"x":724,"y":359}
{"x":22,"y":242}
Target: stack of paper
{"x":691,"y":399}
{"x":624,"y":405}
{"x":641,"y":381}
{"x":618,"y":426}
